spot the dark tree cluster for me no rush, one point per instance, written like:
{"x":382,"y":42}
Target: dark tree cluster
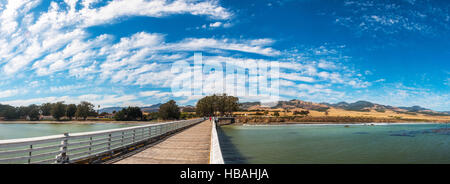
{"x":217,"y":105}
{"x":152,"y":116}
{"x":85,"y":109}
{"x":9,"y":112}
{"x":169,"y":110}
{"x":58,"y":110}
{"x":129,"y":114}
{"x":303,"y":113}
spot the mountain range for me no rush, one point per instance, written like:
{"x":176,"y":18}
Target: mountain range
{"x":362,"y":106}
{"x":152,"y":108}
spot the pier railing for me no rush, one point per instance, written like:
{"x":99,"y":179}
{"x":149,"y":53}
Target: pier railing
{"x":73,"y":147}
{"x":216,"y":152}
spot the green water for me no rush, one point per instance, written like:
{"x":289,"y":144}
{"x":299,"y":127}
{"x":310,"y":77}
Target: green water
{"x":418,"y":143}
{"x":13,"y":131}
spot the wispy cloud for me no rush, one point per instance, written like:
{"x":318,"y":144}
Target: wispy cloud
{"x":56,"y":53}
{"x":25,"y":38}
{"x":393,"y":17}
{"x":8,"y":93}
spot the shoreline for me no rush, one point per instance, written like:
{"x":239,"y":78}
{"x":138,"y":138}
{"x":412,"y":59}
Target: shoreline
{"x":79,"y":122}
{"x":238,"y":124}
{"x":340,"y":120}
{"x":336,"y":124}
{"x":87,"y":122}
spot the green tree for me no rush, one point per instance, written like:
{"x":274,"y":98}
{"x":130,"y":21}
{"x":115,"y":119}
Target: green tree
{"x":58,"y":110}
{"x":153,"y":115}
{"x":231,"y":104}
{"x":120,"y":116}
{"x":305,"y":113}
{"x":22,"y":112}
{"x":205,"y":106}
{"x":46,"y":109}
{"x":71,"y":109}
{"x":33,"y":112}
{"x":134,"y":113}
{"x":8,"y":112}
{"x":129,"y":114}
{"x":276,"y":113}
{"x":222,"y":104}
{"x":169,"y":110}
{"x":84,"y":109}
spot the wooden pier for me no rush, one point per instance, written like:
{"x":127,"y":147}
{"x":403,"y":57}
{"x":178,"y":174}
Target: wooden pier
{"x":191,"y":146}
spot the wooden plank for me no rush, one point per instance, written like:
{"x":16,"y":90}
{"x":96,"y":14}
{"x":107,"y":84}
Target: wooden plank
{"x":191,"y":146}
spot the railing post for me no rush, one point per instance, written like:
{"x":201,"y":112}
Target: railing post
{"x":90,"y":145}
{"x":29,"y":154}
{"x":123,"y":136}
{"x":134,"y":134}
{"x":62,"y":157}
{"x":109,"y":142}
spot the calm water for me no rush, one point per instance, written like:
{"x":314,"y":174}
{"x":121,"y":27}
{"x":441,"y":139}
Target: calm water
{"x":12,"y":131}
{"x":419,"y":143}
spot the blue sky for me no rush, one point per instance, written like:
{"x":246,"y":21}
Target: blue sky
{"x":119,"y":53}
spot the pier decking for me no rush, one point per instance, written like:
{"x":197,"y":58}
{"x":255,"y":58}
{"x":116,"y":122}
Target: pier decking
{"x":191,"y":146}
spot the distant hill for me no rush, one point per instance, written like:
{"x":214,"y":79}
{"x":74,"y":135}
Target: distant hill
{"x":110,"y":109}
{"x":187,"y":108}
{"x":414,"y":108}
{"x":301,"y":104}
{"x":361,"y":106}
{"x":446,"y":112}
{"x":152,"y":108}
{"x":247,"y":105}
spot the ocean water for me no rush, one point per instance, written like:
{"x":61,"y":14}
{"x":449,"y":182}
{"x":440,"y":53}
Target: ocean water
{"x":333,"y":144}
{"x":13,"y":131}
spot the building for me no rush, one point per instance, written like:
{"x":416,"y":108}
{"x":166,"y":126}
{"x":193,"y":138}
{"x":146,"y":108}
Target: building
{"x":46,"y":117}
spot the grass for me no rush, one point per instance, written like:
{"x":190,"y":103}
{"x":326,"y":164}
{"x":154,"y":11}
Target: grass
{"x":340,"y":115}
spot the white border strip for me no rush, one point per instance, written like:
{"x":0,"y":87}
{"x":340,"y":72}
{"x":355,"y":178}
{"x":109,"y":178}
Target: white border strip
{"x":215,"y":154}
